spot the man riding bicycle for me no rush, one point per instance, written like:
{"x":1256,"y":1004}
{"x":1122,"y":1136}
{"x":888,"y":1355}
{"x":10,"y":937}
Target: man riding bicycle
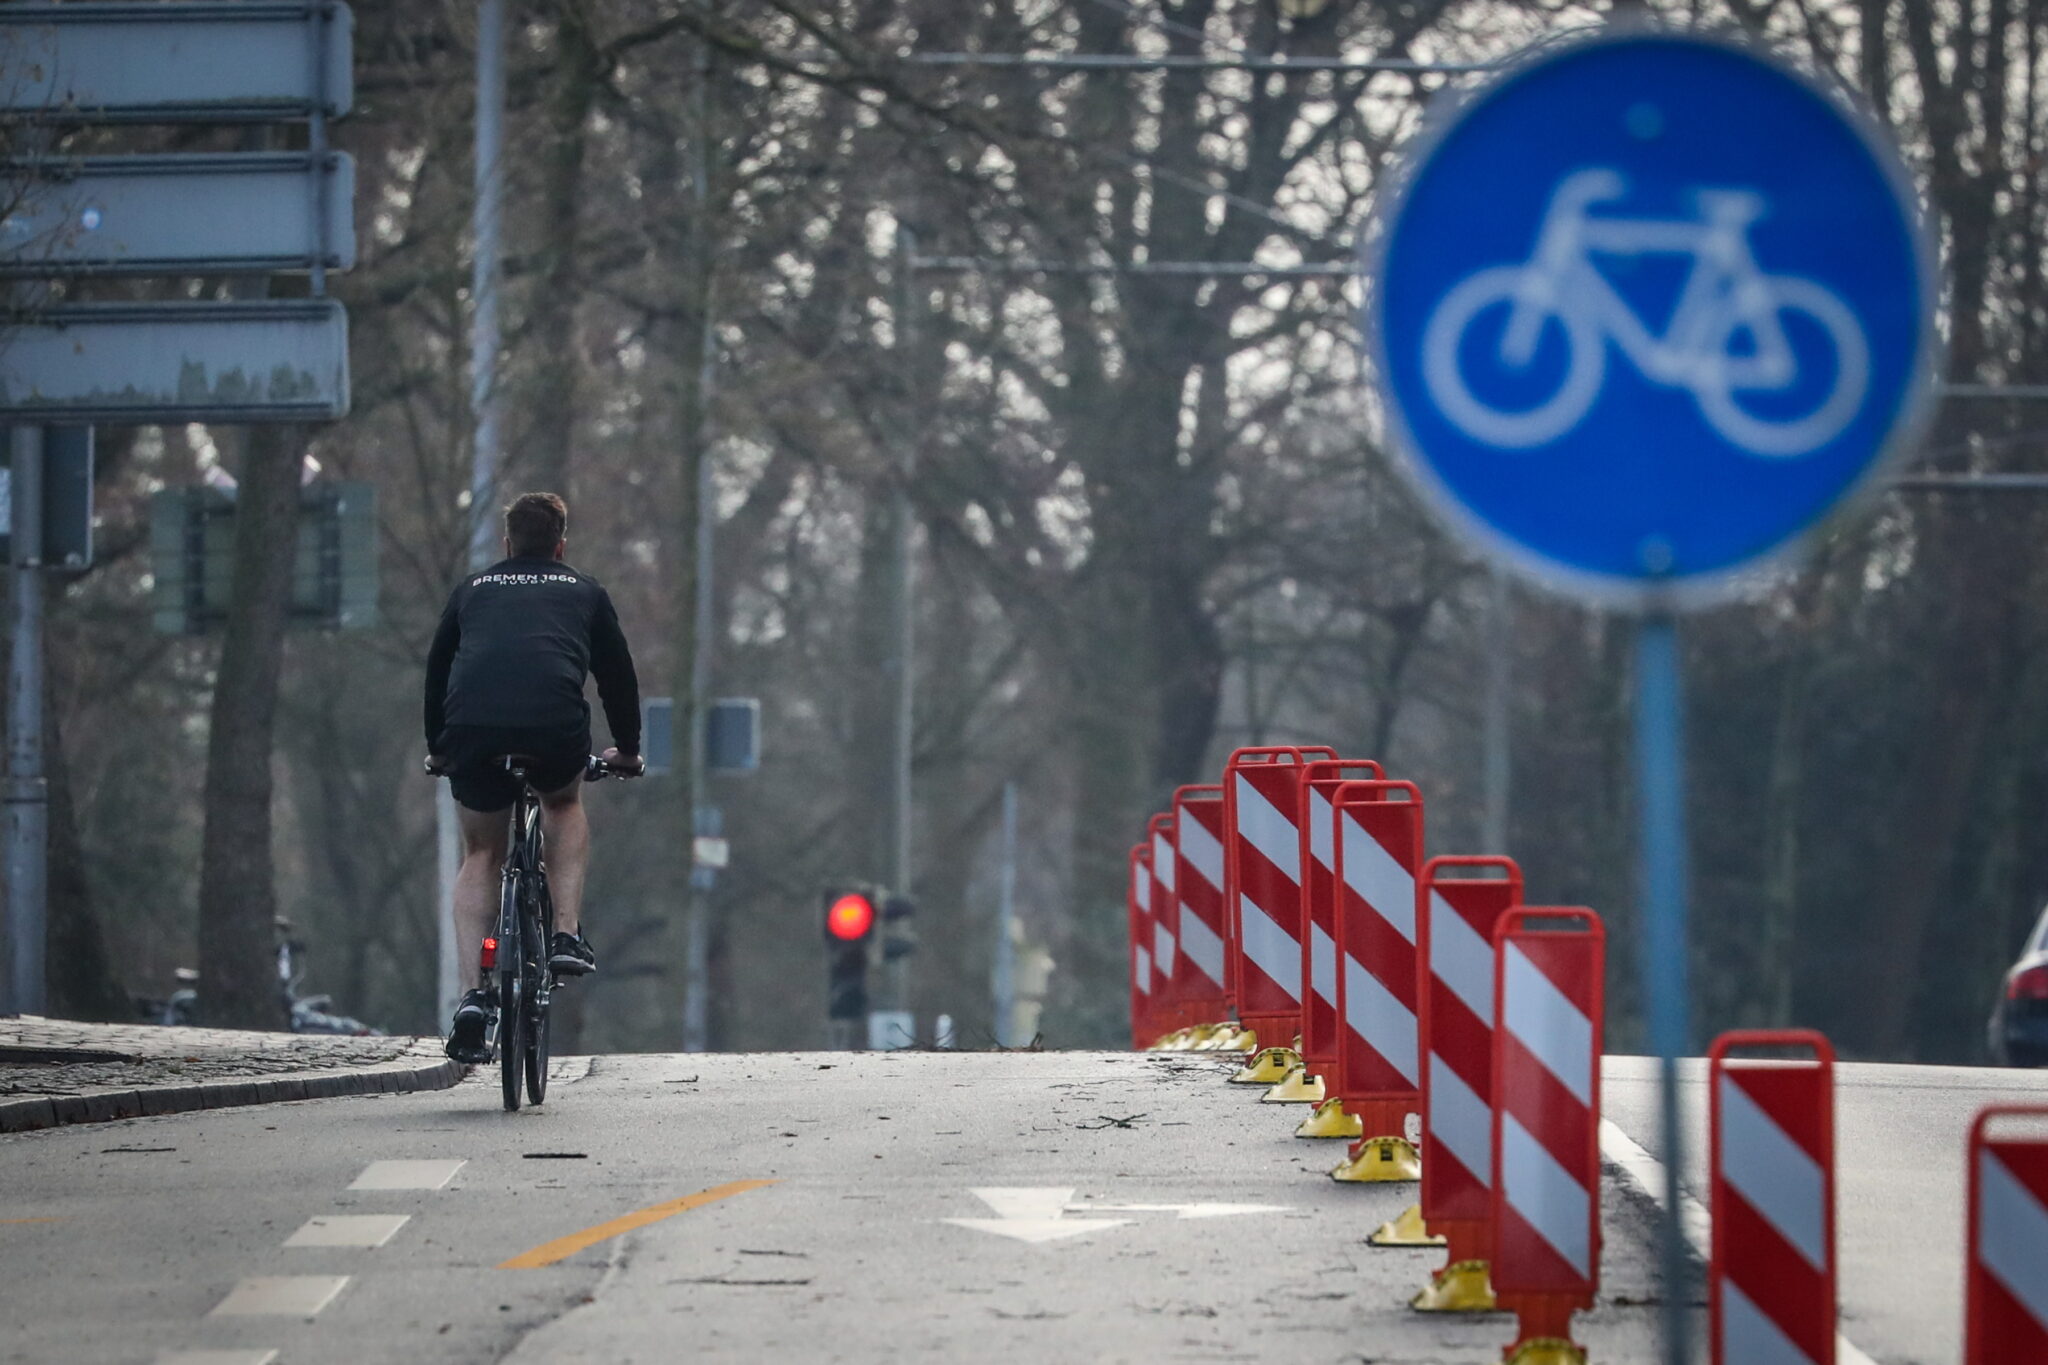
{"x":505,"y":676}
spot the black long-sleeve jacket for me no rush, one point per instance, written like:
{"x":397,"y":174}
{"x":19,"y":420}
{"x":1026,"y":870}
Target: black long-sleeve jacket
{"x":517,"y":641}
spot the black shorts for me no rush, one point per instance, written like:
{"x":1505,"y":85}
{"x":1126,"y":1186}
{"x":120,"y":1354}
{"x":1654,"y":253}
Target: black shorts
{"x":481,"y":783}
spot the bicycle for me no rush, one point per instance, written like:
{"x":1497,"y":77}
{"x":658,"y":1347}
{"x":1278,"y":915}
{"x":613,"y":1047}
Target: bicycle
{"x":1726,"y":296}
{"x":518,"y":953}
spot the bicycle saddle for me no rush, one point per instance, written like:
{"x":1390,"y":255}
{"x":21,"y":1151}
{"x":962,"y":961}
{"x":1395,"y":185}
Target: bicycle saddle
{"x":517,"y":762}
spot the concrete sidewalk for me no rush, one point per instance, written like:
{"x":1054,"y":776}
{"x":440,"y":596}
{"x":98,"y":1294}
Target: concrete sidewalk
{"x":53,"y":1071}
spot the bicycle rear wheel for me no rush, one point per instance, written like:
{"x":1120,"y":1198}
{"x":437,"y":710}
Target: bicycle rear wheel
{"x":511,"y":1033}
{"x":538,"y":915}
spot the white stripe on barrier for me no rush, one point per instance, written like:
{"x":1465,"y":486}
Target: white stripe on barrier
{"x":1377,"y":1016}
{"x":1201,"y":946}
{"x":1322,"y":841}
{"x":1372,"y":872}
{"x":1750,"y":1337}
{"x":1322,"y":962}
{"x":1461,"y":1121}
{"x":1461,"y":959}
{"x":1162,"y":860}
{"x":1162,"y":948}
{"x":1773,"y":1174}
{"x":1272,"y":949}
{"x":1545,"y":1194}
{"x":1141,"y":886}
{"x":1141,"y":970}
{"x":2012,"y":1227}
{"x":1203,"y":851}
{"x":1260,"y":822}
{"x":1547,"y":1023}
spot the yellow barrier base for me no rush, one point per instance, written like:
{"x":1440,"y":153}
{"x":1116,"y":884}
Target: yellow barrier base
{"x":1172,"y":1042}
{"x":1330,"y":1121}
{"x":1460,"y":1287}
{"x":1406,"y":1231}
{"x":1546,"y":1351}
{"x":1297,"y":1088}
{"x":1227,"y":1038}
{"x":1268,"y":1068}
{"x":1383,"y":1160}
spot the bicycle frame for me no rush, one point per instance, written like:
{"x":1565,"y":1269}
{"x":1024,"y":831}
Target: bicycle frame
{"x":1724,"y":277}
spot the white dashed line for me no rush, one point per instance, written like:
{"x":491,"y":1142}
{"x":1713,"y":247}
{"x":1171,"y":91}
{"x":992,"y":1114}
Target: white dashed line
{"x":1646,"y":1173}
{"x":348,"y":1230}
{"x":407,"y":1175}
{"x":280,"y":1296}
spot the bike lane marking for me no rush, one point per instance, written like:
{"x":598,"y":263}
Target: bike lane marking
{"x":562,"y":1248}
{"x":348,"y":1230}
{"x":407,"y":1175}
{"x":258,"y":1357}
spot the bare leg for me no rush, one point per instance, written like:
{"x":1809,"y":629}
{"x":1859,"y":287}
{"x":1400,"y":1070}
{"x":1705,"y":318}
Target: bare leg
{"x":568,"y":832}
{"x":476,"y":888}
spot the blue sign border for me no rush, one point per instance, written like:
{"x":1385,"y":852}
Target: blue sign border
{"x":1646,"y":593}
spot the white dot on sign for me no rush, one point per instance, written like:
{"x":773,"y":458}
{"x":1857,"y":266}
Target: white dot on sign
{"x":1644,"y":121}
{"x":89,"y":220}
{"x":1656,"y":555}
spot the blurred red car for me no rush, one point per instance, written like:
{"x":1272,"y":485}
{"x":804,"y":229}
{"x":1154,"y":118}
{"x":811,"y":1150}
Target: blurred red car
{"x":2019,"y":1021}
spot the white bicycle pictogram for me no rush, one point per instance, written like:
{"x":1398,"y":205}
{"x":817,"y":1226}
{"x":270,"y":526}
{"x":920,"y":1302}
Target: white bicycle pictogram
{"x":1726,"y":297}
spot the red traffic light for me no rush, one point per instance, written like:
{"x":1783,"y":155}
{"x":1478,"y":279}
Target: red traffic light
{"x":850,"y":917}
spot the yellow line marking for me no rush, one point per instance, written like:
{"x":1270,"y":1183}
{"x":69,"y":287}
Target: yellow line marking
{"x":562,"y":1248}
{"x":9,"y":1222}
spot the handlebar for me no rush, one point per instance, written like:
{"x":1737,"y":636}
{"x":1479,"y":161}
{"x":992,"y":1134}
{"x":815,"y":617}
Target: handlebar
{"x":595,"y":769}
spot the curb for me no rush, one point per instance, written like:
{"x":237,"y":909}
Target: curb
{"x":54,"y":1111}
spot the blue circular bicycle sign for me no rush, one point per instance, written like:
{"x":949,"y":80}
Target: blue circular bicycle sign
{"x":1646,"y":309}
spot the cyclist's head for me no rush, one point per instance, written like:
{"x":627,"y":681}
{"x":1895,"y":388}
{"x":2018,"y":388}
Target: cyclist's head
{"x":536,"y":525}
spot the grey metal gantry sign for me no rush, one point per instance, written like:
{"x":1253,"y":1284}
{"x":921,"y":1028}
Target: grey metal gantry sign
{"x":226,"y":214}
{"x":157,"y":63}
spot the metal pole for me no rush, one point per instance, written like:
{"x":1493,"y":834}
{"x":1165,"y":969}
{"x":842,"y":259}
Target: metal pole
{"x":484,"y":341}
{"x":902,"y":588}
{"x":1499,"y":633}
{"x":1003,"y":977}
{"x":1660,"y":807}
{"x":27,"y":793}
{"x":697,"y":924}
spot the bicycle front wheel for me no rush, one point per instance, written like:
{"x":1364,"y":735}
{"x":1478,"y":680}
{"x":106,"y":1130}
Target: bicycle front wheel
{"x":511,"y":1033}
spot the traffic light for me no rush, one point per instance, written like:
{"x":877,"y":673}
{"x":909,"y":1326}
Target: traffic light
{"x":849,"y":937}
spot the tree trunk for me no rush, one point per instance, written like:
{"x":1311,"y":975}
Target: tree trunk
{"x":237,"y":896}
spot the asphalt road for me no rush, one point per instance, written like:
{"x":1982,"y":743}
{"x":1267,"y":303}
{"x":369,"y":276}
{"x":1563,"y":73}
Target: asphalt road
{"x":1901,"y":1133}
{"x":871,"y":1243}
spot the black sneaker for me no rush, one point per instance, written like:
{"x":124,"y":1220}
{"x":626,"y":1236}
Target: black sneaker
{"x":569,"y":955}
{"x":468,"y":1036}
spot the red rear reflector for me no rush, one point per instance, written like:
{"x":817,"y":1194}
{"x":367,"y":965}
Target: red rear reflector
{"x":2031,"y":984}
{"x":490,"y":953}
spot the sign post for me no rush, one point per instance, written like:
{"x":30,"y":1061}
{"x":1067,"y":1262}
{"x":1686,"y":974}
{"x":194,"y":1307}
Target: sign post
{"x":1633,"y":359}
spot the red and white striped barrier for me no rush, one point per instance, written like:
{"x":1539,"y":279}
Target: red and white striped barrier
{"x":1548,"y":1005}
{"x":1457,"y":1081}
{"x":1263,"y":887}
{"x":1771,"y":1142}
{"x":1167,"y":1014}
{"x":2007,"y":1314}
{"x":1376,"y":840}
{"x":1138,"y":904}
{"x":1199,"y":969}
{"x":1317,"y":823}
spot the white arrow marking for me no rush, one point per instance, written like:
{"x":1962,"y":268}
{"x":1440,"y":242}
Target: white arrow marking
{"x":1032,"y":1214}
{"x":1184,"y":1210}
{"x":1037,"y":1229}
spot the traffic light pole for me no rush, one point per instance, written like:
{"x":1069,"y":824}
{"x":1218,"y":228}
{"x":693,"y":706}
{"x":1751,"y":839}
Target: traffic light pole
{"x":902,"y":588}
{"x":27,"y":792}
